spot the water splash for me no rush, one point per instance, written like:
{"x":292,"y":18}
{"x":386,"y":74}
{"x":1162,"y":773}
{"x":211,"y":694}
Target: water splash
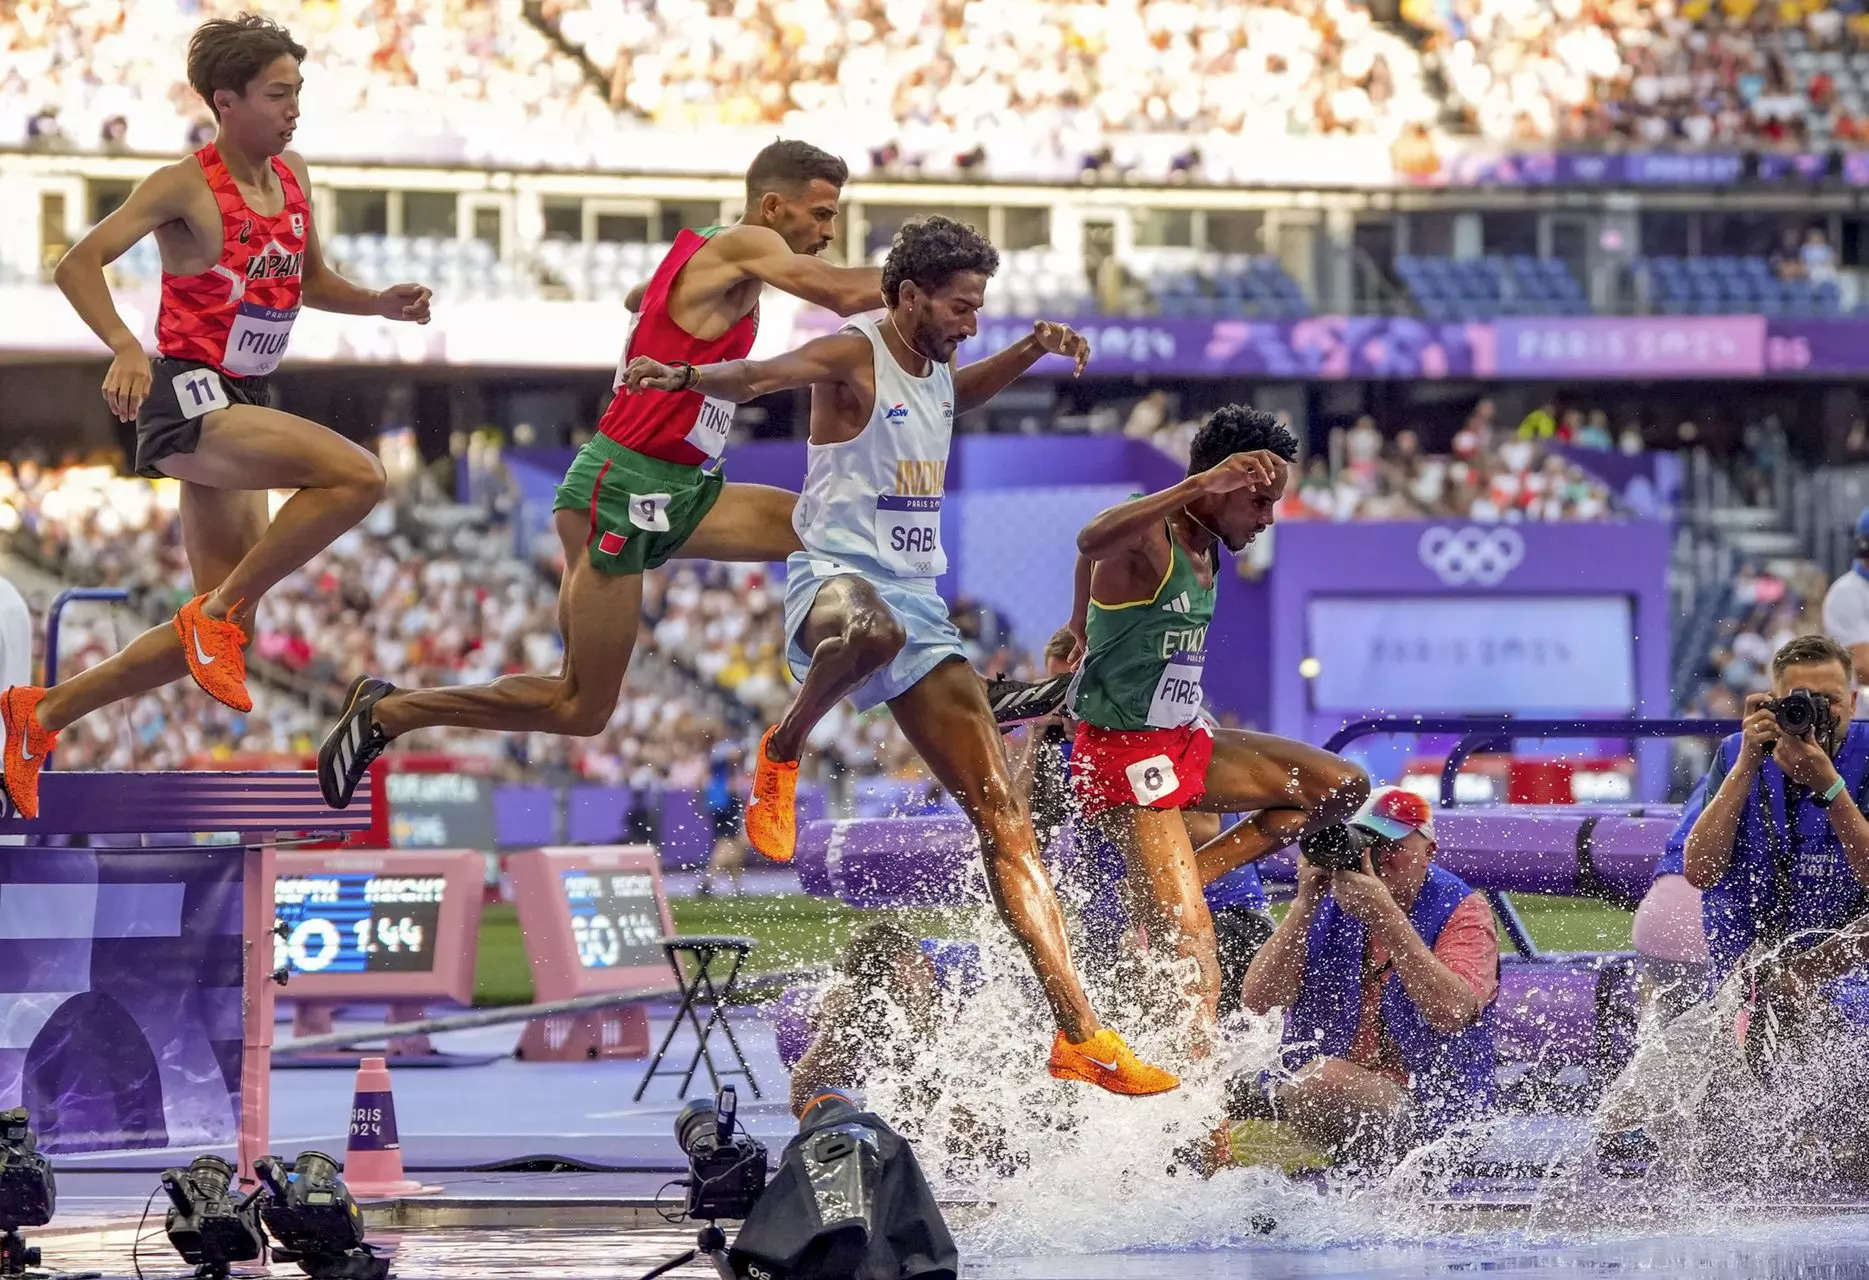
{"x":1062,"y":1168}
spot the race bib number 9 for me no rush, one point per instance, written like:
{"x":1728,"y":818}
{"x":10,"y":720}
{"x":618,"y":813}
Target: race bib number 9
{"x":1177,"y":699}
{"x":709,"y":433}
{"x":908,"y":535}
{"x":257,"y":341}
{"x":649,"y":511}
{"x":1152,"y":779}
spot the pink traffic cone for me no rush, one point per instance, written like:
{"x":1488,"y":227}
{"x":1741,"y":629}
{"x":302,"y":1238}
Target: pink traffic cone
{"x":373,"y":1160}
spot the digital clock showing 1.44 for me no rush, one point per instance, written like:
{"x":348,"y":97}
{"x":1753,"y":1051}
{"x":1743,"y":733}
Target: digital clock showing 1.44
{"x":356,"y":922}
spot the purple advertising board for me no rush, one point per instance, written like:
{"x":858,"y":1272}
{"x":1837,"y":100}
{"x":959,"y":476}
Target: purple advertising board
{"x":122,"y":990}
{"x":1371,"y":619}
{"x":1376,"y":347}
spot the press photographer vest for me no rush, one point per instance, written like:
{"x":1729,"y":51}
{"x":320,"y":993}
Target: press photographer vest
{"x":1450,"y":1075}
{"x":1785,"y":877}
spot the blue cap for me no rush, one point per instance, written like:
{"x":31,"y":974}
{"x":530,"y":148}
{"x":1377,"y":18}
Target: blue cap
{"x":1862,"y":524}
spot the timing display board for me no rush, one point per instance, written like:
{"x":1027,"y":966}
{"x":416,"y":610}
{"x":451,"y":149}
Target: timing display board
{"x":434,"y":810}
{"x":361,"y":923}
{"x":591,"y":916}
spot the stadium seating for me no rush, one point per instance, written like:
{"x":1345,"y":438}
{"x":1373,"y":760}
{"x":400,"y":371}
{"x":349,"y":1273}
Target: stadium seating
{"x":1730,"y":286}
{"x":1484,"y":288}
{"x":1225,"y":285}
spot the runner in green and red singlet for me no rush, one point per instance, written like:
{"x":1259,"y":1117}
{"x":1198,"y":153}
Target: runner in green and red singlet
{"x":1145,"y":748}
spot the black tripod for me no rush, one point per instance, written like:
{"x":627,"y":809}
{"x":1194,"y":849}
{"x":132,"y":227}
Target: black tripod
{"x":710,"y":1240}
{"x":15,"y":1257}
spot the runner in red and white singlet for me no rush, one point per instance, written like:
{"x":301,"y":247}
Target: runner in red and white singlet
{"x":239,"y":257}
{"x":648,"y":486}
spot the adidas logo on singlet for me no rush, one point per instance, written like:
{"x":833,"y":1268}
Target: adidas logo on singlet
{"x":1180,"y":604}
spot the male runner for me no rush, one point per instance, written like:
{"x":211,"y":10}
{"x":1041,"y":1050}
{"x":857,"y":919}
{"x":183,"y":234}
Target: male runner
{"x":1145,"y":750}
{"x":239,"y":257}
{"x":647,"y":487}
{"x":861,"y":614}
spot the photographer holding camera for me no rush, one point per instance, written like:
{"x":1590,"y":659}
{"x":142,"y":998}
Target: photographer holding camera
{"x":1774,"y":836}
{"x":1386,"y":966}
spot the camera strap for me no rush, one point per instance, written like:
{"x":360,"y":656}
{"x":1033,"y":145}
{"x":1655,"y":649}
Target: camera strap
{"x":1785,"y":855}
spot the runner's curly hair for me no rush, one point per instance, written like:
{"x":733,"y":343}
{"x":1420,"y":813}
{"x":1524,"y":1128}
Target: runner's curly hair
{"x":1234,"y":428}
{"x":933,"y":250}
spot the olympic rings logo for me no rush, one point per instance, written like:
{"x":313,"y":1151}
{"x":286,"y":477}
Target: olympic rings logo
{"x":1472,"y":555}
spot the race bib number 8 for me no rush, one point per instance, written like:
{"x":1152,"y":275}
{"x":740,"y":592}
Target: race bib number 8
{"x":709,"y":433}
{"x":908,"y":535}
{"x":1152,"y":779}
{"x":1177,"y":699}
{"x":199,"y":391}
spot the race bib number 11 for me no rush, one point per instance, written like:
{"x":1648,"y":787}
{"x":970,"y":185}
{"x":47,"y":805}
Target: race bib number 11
{"x":199,"y":391}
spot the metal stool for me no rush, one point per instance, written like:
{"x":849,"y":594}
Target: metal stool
{"x":703,"y":949}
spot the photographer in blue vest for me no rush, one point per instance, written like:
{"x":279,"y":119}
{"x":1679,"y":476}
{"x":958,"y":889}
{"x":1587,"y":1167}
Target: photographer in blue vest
{"x":1386,"y":974}
{"x":1774,"y":836}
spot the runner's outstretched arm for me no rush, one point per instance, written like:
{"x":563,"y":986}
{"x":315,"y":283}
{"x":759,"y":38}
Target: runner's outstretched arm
{"x":762,"y":254}
{"x":827,"y":359}
{"x":980,"y":381}
{"x":1111,"y":529}
{"x":323,"y":289}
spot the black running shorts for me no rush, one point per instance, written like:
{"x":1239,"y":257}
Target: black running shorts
{"x":181,"y":393}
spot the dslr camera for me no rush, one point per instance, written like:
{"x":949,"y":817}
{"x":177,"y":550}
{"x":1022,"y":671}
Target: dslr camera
{"x":1802,"y":713}
{"x":28,"y":1192}
{"x":1336,"y":848}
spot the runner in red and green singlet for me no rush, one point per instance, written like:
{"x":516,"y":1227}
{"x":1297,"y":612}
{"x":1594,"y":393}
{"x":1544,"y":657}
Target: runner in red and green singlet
{"x":647,"y":487}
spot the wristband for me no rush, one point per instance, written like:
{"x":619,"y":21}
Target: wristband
{"x":1830,"y":794}
{"x":689,"y":374}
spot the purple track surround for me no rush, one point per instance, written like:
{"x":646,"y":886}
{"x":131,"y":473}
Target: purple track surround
{"x":1561,"y":849}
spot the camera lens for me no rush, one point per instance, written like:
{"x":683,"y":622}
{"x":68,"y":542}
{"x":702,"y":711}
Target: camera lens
{"x":315,"y":1166}
{"x":211,"y":1176}
{"x":693,"y":1123}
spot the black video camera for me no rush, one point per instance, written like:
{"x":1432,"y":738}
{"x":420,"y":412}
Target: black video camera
{"x":208,"y":1225}
{"x":317,"y":1224}
{"x":1339,"y":847}
{"x":28,"y":1192}
{"x":726,"y":1170}
{"x":1802,"y":713}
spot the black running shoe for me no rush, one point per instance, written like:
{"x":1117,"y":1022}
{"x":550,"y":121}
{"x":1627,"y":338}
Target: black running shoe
{"x":353,"y":742}
{"x":1017,"y":702}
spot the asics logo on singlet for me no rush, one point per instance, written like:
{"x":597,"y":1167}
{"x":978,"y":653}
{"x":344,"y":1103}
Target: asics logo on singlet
{"x":896,"y":413}
{"x":1180,"y":604}
{"x":1472,"y":554}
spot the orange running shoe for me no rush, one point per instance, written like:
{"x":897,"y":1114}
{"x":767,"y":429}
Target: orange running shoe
{"x":26,"y":747}
{"x":1105,"y":1061}
{"x":771,"y":812}
{"x":216,"y":653}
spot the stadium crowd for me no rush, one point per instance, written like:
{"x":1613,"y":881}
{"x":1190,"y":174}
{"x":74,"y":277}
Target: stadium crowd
{"x":1650,"y":75}
{"x":420,"y":601}
{"x":1488,"y":474}
{"x":945,"y":85}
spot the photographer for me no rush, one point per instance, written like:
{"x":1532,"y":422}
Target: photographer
{"x":1386,"y":975}
{"x":1774,"y":836}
